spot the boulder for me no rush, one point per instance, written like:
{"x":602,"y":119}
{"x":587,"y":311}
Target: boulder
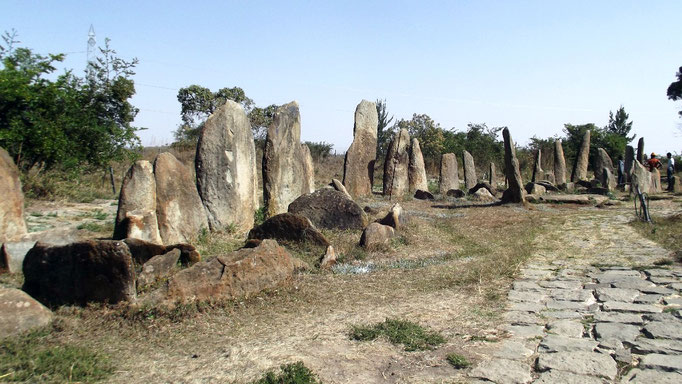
{"x":142,"y":251}
{"x":339,"y":187}
{"x":470,"y":179}
{"x":308,"y":170}
{"x":179,"y":210}
{"x":514,"y":193}
{"x":537,"y":168}
{"x":227,"y":177}
{"x":629,"y":158}
{"x":423,"y":195}
{"x":329,"y":209}
{"x":376,"y":234}
{"x":80,"y":273}
{"x":640,"y":150}
{"x":416,"y":170}
{"x":582,"y":159}
{"x":449,"y":173}
{"x":328,"y":260}
{"x":548,"y":185}
{"x":136,"y":216}
{"x":655,"y":186}
{"x":20,"y":313}
{"x":608,"y":180}
{"x":358,"y":164}
{"x":603,"y":160}
{"x":284,"y":176}
{"x":242,"y":273}
{"x":559,"y":165}
{"x":158,"y":268}
{"x":641,"y":178}
{"x":396,"y":165}
{"x":535,"y":189}
{"x":483,"y":195}
{"x":289,"y":227}
{"x":485,"y":185}
{"x":458,"y":193}
{"x":12,"y":224}
{"x":394,"y":218}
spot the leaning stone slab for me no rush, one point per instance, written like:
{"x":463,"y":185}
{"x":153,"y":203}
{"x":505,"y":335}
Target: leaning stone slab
{"x":417,"y":170}
{"x":554,"y":377}
{"x":616,"y":306}
{"x":664,"y":329}
{"x":582,"y":159}
{"x":559,"y":165}
{"x":470,"y":179}
{"x":19,"y":313}
{"x":358,"y":165}
{"x":503,"y":371}
{"x":622,"y":332}
{"x":581,"y":363}
{"x":557,"y":343}
{"x":289,"y":227}
{"x":649,"y":376}
{"x":515,"y":192}
{"x":644,"y":345}
{"x":513,"y":350}
{"x":670,"y":363}
{"x":631,"y":283}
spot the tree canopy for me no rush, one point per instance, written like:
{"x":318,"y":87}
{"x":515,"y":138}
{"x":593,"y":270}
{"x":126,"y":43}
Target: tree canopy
{"x":675,"y":89}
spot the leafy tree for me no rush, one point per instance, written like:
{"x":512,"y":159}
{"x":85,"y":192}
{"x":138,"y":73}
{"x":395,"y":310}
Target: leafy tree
{"x":260,"y":119}
{"x":675,"y":89}
{"x":614,"y":144}
{"x":620,"y":125}
{"x":430,"y":136}
{"x":384,"y":133}
{"x":319,"y":150}
{"x":480,"y":140}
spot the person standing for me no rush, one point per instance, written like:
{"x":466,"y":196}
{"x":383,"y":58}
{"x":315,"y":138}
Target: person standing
{"x":653,"y":163}
{"x":671,"y":170}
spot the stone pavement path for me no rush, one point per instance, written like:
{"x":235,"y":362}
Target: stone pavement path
{"x":591,"y":307}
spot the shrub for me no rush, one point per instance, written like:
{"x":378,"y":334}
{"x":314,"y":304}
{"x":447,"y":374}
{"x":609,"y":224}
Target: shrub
{"x":295,"y":373}
{"x":411,"y":335}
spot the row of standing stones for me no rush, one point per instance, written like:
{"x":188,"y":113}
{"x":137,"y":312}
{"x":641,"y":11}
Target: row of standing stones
{"x":162,"y":208}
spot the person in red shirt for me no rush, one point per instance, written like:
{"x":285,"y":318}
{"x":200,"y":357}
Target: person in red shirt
{"x":653,"y":163}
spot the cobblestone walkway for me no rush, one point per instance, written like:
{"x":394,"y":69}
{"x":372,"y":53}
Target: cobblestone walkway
{"x":591,"y":307}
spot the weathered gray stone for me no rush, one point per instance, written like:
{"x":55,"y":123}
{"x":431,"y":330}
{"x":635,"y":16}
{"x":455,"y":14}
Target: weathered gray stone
{"x":562,"y":314}
{"x":136,"y":216}
{"x":328,"y":260}
{"x":643,"y":345}
{"x":513,"y":350}
{"x":19,"y":313}
{"x":562,"y":284}
{"x":515,"y":192}
{"x":581,"y":363}
{"x":417,"y":171}
{"x":616,"y":294}
{"x":557,"y":343}
{"x":358,"y":165}
{"x":572,"y":294}
{"x":492,"y":175}
{"x":284,"y":177}
{"x":470,"y":179}
{"x":617,"y":331}
{"x":289,"y":227}
{"x":503,"y":371}
{"x":662,"y":362}
{"x":395,"y":217}
{"x":449,"y":173}
{"x":330,"y":209}
{"x":179,"y":210}
{"x":649,"y":376}
{"x":554,"y":377}
{"x":12,"y":224}
{"x":308,"y":170}
{"x":537,"y":168}
{"x":608,"y":180}
{"x":559,"y":165}
{"x":582,"y":159}
{"x":629,"y":158}
{"x":570,"y":305}
{"x":397,"y":164}
{"x":603,"y":160}
{"x":375,"y":235}
{"x":528,"y":296}
{"x":569,"y":328}
{"x":340,"y":187}
{"x":616,"y":317}
{"x":675,"y":185}
{"x":226,"y":175}
{"x":655,"y":186}
{"x":527,"y":285}
{"x":535,"y":189}
{"x":664,"y":330}
{"x":158,"y":268}
{"x":522,"y":318}
{"x":674,"y":301}
{"x":648,"y":299}
{"x":641,"y":178}
{"x":617,"y":306}
{"x":483,"y":195}
{"x":526,"y":331}
{"x":640,"y":150}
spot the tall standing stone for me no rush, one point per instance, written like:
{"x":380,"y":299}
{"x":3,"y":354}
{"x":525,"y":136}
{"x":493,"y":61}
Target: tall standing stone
{"x":358,"y":165}
{"x":608,"y":180}
{"x":602,"y":161}
{"x":226,"y":169}
{"x":641,"y":178}
{"x":537,"y":169}
{"x":655,"y":186}
{"x":136,"y":216}
{"x":492,"y":178}
{"x":12,"y":224}
{"x":308,"y":170}
{"x":449,"y":173}
{"x":515,"y":192}
{"x":417,"y":171}
{"x":582,"y":159}
{"x":179,"y":210}
{"x":470,"y":179}
{"x":283,"y":161}
{"x":396,"y":165}
{"x":559,"y":165}
{"x":629,"y":158}
{"x":640,"y":150}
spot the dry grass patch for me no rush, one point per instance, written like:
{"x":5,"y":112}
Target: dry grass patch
{"x":665,"y":230}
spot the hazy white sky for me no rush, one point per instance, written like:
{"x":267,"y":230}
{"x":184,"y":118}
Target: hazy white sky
{"x":529,"y":65}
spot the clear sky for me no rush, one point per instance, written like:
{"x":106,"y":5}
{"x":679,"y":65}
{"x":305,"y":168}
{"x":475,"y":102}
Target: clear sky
{"x":528,"y":65}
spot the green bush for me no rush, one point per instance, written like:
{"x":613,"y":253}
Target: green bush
{"x":411,"y":335}
{"x":458,"y":361}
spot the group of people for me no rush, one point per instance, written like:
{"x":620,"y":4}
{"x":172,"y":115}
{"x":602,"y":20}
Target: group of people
{"x":653,"y":163}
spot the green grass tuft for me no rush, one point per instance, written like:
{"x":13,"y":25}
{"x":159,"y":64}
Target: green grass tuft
{"x":458,"y":361}
{"x":295,"y":373}
{"x":97,"y":227}
{"x":411,"y":335}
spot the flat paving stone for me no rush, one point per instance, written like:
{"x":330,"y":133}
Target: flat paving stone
{"x":526,"y":296}
{"x":632,"y":283}
{"x":527,"y":285}
{"x":522,"y":318}
{"x":663,"y":279}
{"x":564,"y":304}
{"x":618,"y":317}
{"x":584,"y":295}
{"x":570,"y":328}
{"x":675,"y":301}
{"x":652,"y":376}
{"x":622,"y":332}
{"x":527,"y":307}
{"x":648,"y":299}
{"x":503,"y":371}
{"x":616,"y":274}
{"x":658,"y":272}
{"x":658,"y":290}
{"x":581,"y":363}
{"x":554,"y":377}
{"x":558,"y":343}
{"x":661,"y":346}
{"x":662,"y":362}
{"x":562,"y":284}
{"x":536,"y":273}
{"x":553,"y":314}
{"x":676,"y":286}
{"x":616,"y":294}
{"x":612,"y":344}
{"x":663,"y":330}
{"x":616,"y":306}
{"x":526,"y":331}
{"x":513,"y":350}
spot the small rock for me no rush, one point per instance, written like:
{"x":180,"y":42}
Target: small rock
{"x":19,"y":313}
{"x":336,"y":184}
{"x":458,"y":193}
{"x":394,"y":218}
{"x":423,"y":195}
{"x":329,"y":258}
{"x":376,"y":234}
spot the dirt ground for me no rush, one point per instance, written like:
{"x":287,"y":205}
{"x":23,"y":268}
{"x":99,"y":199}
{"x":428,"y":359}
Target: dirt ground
{"x":449,"y":271}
